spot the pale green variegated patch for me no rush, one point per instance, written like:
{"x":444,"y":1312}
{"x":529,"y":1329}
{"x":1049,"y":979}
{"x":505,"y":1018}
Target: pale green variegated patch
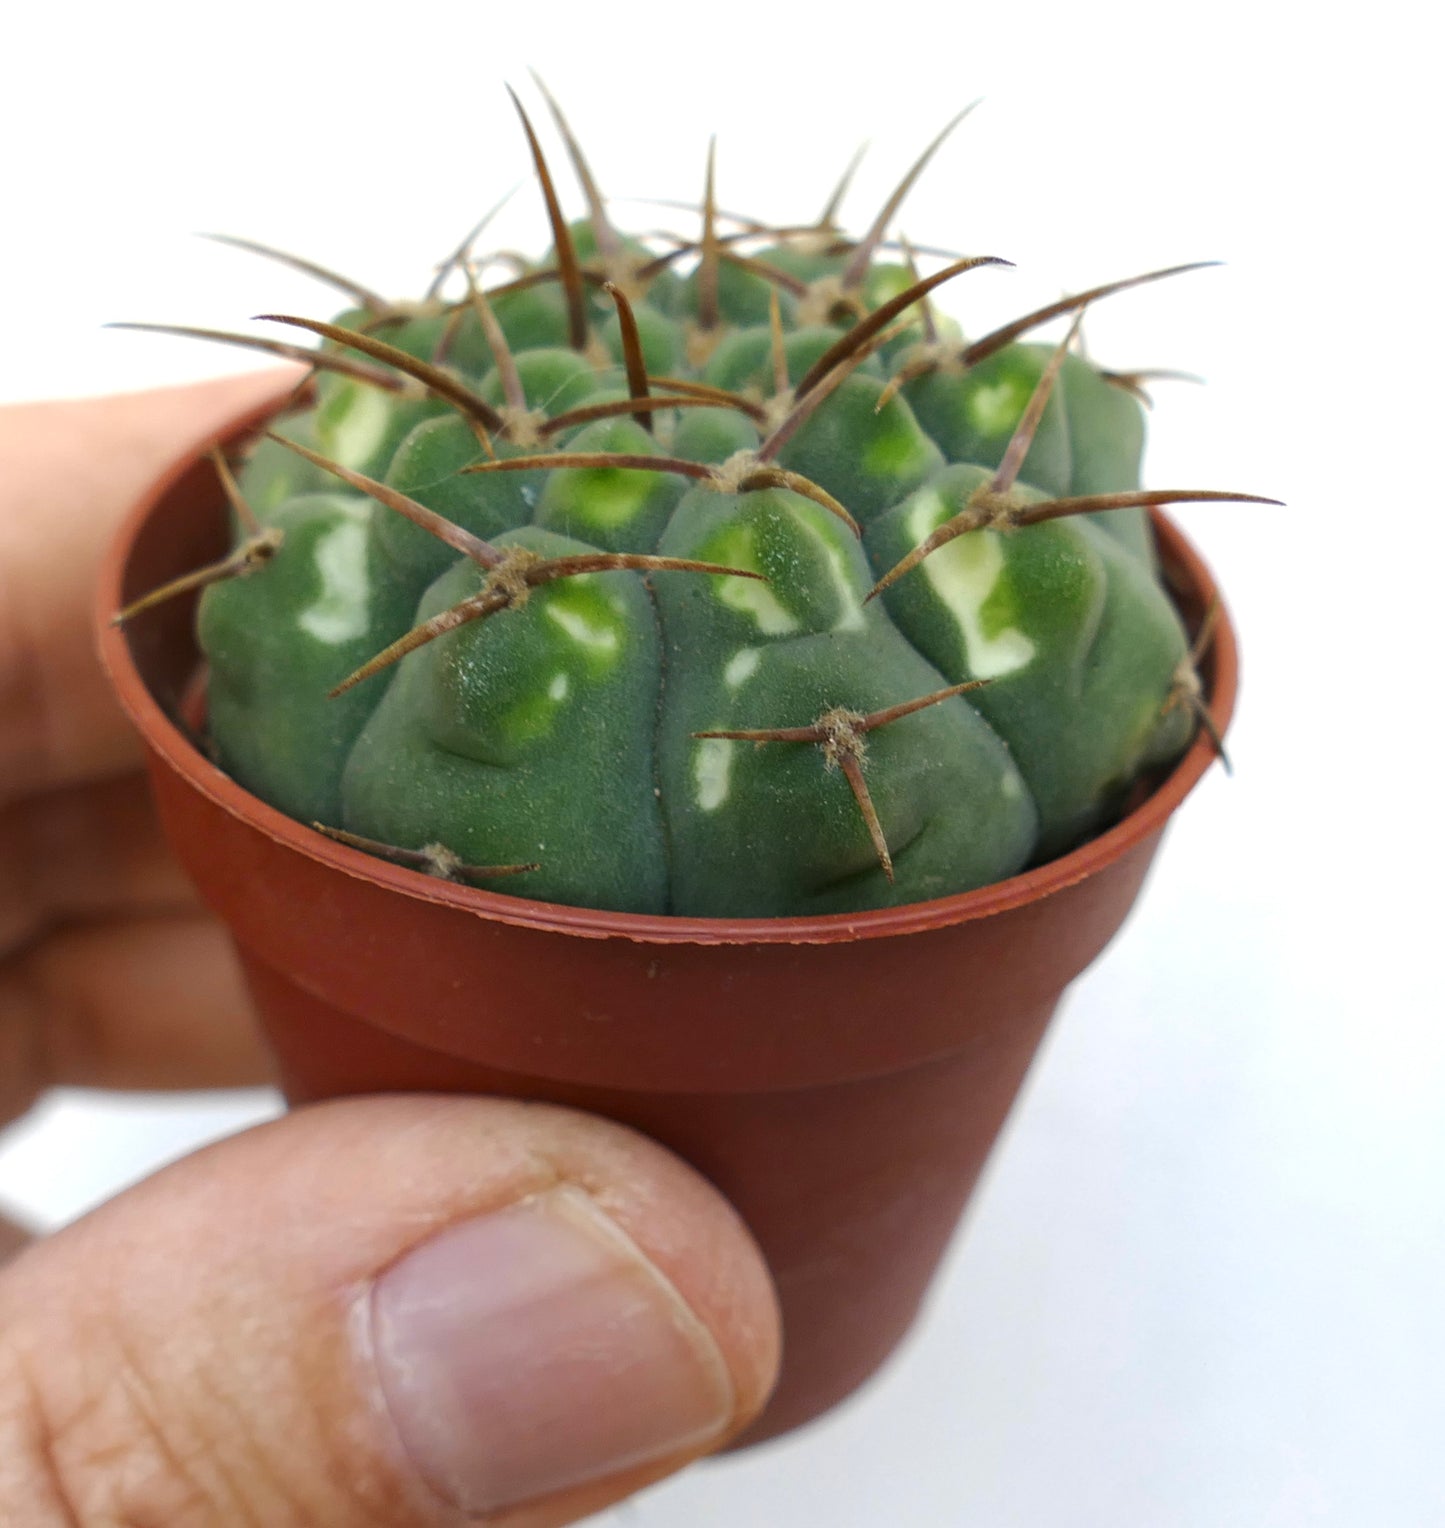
{"x":995,"y":407}
{"x":712,"y":763}
{"x":963,"y":574}
{"x":353,"y":430}
{"x":588,"y":618}
{"x":758,"y":602}
{"x":340,"y":613}
{"x":741,"y":667}
{"x":614,"y":497}
{"x":737,"y":548}
{"x":850,"y":603}
{"x":582,"y":629}
{"x":534,"y":716}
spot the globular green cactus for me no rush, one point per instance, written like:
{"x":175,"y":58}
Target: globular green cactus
{"x":713,"y":577}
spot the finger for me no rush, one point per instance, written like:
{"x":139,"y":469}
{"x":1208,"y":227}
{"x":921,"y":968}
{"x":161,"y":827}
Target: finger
{"x":71,"y":470}
{"x":84,"y":851}
{"x":12,"y":1238}
{"x":147,"y":1002}
{"x":417,"y":1312}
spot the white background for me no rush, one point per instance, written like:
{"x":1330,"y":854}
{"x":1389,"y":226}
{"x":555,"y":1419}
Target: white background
{"x":1202,"y":1286}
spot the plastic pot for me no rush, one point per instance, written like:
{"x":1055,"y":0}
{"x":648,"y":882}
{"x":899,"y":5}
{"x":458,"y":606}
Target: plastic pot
{"x":840,"y":1078}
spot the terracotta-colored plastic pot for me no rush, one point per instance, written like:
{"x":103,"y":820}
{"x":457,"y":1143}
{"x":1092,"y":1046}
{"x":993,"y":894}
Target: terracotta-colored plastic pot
{"x":840,"y":1078}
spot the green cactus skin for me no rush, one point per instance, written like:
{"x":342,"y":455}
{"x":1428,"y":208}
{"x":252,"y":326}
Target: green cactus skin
{"x":527,"y":739}
{"x":1090,"y":439}
{"x":1072,"y":630}
{"x":322,"y":605}
{"x":575,"y":726}
{"x":753,"y":655}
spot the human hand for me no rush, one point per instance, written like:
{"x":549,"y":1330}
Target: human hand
{"x":398,"y":1311}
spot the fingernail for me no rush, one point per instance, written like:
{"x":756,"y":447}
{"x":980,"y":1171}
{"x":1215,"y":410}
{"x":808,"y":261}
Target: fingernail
{"x":536,"y":1348}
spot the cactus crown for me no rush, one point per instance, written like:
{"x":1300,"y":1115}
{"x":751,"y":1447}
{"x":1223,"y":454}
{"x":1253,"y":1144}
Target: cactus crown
{"x":714,"y":575}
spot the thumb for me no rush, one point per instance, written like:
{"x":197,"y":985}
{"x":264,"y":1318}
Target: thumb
{"x":399,"y":1311}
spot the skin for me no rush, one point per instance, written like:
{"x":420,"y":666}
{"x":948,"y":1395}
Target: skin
{"x":182,"y":1354}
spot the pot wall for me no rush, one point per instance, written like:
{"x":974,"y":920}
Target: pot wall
{"x":852,"y":1189}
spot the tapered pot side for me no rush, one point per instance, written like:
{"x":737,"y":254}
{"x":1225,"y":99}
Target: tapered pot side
{"x":840,"y":1078}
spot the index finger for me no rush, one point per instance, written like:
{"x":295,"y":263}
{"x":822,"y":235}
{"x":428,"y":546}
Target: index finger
{"x":69,"y":470}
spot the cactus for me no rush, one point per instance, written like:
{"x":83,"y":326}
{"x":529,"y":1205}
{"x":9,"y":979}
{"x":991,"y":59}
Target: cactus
{"x":723,"y":578}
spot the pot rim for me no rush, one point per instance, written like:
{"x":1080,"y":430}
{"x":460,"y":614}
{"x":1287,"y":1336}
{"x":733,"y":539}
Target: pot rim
{"x":1184,"y":570}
